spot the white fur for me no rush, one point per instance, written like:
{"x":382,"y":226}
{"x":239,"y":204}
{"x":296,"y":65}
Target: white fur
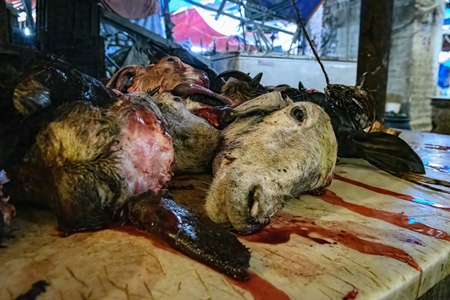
{"x":270,"y":158}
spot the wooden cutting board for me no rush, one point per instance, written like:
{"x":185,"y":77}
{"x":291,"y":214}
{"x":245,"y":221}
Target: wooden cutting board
{"x":372,"y":233}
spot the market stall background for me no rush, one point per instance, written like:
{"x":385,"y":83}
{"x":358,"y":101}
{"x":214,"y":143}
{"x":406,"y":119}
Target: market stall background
{"x":434,"y":262}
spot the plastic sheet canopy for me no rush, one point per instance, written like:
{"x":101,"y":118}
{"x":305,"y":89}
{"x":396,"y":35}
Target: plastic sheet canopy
{"x":191,"y":24}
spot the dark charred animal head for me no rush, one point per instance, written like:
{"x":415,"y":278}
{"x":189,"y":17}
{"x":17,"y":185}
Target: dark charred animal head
{"x":243,"y":88}
{"x":357,"y":101}
{"x":240,"y":91}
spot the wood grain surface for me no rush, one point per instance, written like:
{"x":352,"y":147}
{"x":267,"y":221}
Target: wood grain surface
{"x":371,"y":234}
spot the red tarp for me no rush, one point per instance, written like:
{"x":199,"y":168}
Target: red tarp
{"x":190,"y":24}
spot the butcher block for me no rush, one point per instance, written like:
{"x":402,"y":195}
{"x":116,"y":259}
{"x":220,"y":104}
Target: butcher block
{"x":370,"y":236}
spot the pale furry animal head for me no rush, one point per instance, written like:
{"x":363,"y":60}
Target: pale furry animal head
{"x":195,"y":140}
{"x":273,"y":152}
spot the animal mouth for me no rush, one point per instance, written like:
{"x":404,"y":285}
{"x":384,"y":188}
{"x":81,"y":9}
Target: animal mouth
{"x":203,"y":80}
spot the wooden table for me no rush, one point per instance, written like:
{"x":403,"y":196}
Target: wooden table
{"x":372,"y":233}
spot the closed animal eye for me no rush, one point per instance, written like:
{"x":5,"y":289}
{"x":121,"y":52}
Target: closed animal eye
{"x":170,"y":59}
{"x":298,"y":114}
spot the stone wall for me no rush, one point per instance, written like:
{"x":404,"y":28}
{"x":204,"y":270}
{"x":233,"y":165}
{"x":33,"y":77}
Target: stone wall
{"x":340,"y":31}
{"x":400,"y":54}
{"x":314,"y":28}
{"x":415,"y":44}
{"x":413,"y":64}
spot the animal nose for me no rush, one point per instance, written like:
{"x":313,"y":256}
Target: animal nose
{"x":298,"y":114}
{"x":253,"y":202}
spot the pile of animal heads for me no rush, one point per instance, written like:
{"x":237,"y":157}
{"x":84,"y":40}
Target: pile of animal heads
{"x":272,"y":151}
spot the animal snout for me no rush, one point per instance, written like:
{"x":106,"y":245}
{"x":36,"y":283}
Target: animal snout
{"x":243,"y":200}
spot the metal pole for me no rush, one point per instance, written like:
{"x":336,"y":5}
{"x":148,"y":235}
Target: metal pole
{"x":374,"y":47}
{"x":4,"y":25}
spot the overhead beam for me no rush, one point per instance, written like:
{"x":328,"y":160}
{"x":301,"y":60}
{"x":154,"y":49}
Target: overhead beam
{"x":219,"y":11}
{"x":374,"y":47}
{"x":167,"y":21}
{"x":128,"y":26}
{"x":125,"y":24}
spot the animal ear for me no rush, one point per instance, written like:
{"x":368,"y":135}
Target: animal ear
{"x":263,"y":104}
{"x":361,"y":80}
{"x":300,"y":85}
{"x":121,"y":77}
{"x":258,"y":77}
{"x":236,"y":74}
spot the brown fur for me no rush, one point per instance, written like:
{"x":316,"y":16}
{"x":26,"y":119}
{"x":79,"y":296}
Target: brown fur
{"x":169,"y":72}
{"x":80,"y":163}
{"x":269,"y":158}
{"x":239,"y":91}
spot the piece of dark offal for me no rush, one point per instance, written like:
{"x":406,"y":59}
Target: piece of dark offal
{"x":189,"y":233}
{"x":274,"y":151}
{"x":90,"y":161}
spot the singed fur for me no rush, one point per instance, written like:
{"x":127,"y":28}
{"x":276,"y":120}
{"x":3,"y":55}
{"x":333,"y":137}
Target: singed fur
{"x":268,"y":158}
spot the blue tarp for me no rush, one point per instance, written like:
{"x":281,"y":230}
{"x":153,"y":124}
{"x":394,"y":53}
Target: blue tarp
{"x":447,"y":16}
{"x":175,"y":5}
{"x":282,"y":8}
{"x":285,"y":10}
